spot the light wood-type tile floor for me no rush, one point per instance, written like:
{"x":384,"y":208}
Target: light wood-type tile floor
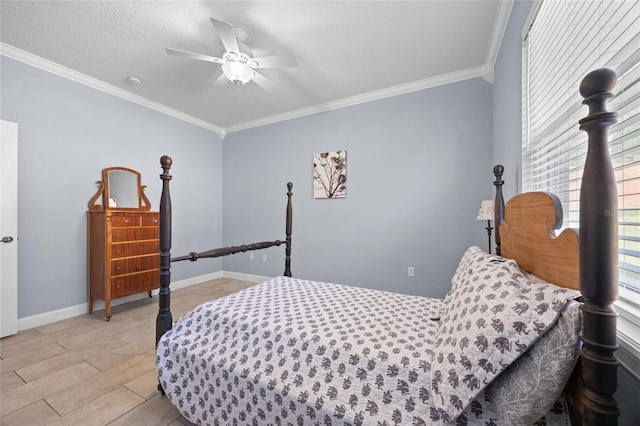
{"x":87,"y":371}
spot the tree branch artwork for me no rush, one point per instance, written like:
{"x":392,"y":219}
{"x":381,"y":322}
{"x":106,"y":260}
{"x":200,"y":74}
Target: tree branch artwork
{"x":330,"y":175}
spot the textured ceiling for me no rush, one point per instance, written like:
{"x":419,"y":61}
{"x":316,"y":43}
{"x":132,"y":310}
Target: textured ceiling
{"x":348,"y":51}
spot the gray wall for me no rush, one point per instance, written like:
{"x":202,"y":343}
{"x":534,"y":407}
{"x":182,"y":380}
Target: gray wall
{"x":507,"y":150}
{"x":418,"y":166}
{"x":507,"y":101}
{"x":67,"y":133}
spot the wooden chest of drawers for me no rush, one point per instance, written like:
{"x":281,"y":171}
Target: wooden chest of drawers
{"x":123,"y":254}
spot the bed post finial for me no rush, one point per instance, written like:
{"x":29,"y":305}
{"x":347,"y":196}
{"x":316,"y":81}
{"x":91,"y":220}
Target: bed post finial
{"x":599,"y":254}
{"x":164,"y":322}
{"x":498,"y":209}
{"x":165,"y":163}
{"x":287,"y":258}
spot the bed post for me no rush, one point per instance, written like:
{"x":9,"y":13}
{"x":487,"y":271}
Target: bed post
{"x":599,"y":254}
{"x":164,"y":322}
{"x":287,"y":258}
{"x":498,"y":207}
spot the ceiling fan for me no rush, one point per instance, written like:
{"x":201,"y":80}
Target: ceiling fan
{"x":238,"y":64}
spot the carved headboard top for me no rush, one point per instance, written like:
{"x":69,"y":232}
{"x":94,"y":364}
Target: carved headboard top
{"x":528,"y":235}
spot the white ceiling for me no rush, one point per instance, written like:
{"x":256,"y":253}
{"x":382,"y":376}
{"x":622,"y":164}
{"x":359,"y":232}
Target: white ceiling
{"x":348,"y":51}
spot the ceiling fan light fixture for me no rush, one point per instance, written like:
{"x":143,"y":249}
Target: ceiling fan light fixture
{"x":238,"y":72}
{"x":237,"y":62}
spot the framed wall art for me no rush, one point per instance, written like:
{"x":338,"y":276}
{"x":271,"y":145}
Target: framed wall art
{"x":330,"y":174}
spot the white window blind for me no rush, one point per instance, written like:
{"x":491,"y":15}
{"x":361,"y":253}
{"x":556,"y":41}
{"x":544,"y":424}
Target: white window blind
{"x":567,"y":40}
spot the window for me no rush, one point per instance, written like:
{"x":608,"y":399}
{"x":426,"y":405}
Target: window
{"x":564,"y":41}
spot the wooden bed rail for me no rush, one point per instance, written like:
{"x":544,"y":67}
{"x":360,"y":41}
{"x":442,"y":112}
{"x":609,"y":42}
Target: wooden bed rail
{"x":224,"y":251}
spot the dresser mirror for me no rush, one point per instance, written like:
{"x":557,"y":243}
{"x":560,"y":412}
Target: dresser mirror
{"x":121,"y":189}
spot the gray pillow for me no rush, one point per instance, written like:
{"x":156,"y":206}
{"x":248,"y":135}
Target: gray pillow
{"x":529,"y":388}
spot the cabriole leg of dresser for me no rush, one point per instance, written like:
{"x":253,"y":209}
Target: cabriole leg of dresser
{"x":107,"y":309}
{"x":90,"y":304}
{"x":149,"y":293}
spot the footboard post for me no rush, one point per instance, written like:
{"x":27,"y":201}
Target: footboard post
{"x":287,"y":258}
{"x":599,"y":255}
{"x":498,"y":207}
{"x":164,"y":322}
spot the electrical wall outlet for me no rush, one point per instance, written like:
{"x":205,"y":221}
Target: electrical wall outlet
{"x":250,"y":255}
{"x":264,"y":257}
{"x":410,"y":271}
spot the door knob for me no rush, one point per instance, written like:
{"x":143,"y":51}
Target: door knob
{"x":7,"y":239}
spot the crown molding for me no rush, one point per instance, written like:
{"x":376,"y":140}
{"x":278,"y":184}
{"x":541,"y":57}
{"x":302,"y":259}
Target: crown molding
{"x":415,"y":86}
{"x":62,"y":71}
{"x":499,"y":28}
{"x":441,"y":80}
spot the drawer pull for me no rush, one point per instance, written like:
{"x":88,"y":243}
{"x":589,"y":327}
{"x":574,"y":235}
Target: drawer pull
{"x":118,"y":251}
{"x":126,"y":221}
{"x":117,"y":235}
{"x":117,"y":268}
{"x":117,"y":285}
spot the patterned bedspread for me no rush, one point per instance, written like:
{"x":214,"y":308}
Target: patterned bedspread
{"x":290,"y":351}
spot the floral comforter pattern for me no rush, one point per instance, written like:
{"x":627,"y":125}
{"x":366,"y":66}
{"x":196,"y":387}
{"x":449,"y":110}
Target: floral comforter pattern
{"x":291,"y":351}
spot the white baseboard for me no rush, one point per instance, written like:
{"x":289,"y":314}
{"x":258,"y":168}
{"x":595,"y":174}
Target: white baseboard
{"x":81,"y":309}
{"x":196,"y":280}
{"x":245,"y":277}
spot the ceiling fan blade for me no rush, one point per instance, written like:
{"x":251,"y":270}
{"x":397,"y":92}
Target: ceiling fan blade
{"x":276,"y":61}
{"x":219,"y":82}
{"x":264,"y":82}
{"x":192,"y":55}
{"x":227,"y":35}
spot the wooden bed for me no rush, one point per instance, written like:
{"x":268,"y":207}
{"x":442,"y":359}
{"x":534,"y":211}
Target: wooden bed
{"x":526,"y":234}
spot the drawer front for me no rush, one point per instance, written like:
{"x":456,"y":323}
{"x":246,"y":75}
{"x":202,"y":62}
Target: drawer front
{"x":151,"y":219}
{"x":135,"y":264}
{"x":135,"y":249}
{"x":136,"y":283}
{"x":134,"y":234}
{"x":125,"y":220}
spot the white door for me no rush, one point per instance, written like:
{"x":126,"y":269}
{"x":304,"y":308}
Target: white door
{"x":8,"y":228}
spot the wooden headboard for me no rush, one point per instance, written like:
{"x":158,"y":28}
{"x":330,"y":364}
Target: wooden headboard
{"x":528,"y":236}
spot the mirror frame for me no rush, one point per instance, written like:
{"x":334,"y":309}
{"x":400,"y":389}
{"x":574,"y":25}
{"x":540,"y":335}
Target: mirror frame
{"x":103,"y":192}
